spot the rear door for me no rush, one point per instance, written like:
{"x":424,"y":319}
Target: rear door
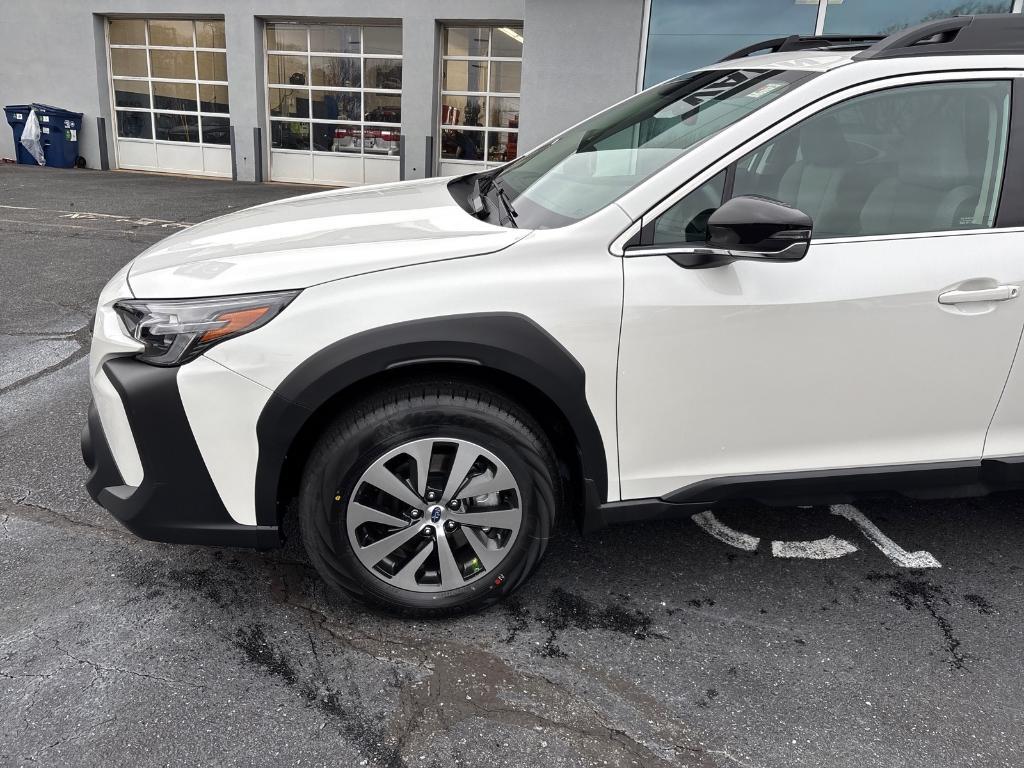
{"x":888,"y":344}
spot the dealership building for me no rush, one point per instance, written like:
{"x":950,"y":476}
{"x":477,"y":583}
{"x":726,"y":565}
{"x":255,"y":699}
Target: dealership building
{"x":345,"y":92}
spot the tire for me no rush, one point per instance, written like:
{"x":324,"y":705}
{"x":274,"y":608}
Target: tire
{"x":431,"y":412}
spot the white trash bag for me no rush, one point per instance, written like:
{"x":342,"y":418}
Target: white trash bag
{"x":30,"y":138}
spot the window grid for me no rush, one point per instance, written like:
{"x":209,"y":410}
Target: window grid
{"x":388,"y":132}
{"x":451,"y":129}
{"x":204,"y":118}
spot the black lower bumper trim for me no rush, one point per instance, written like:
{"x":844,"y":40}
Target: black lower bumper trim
{"x":176,"y":501}
{"x":96,"y":453}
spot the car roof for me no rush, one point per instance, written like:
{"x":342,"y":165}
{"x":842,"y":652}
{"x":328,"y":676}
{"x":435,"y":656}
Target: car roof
{"x":810,"y":61}
{"x":996,"y":34}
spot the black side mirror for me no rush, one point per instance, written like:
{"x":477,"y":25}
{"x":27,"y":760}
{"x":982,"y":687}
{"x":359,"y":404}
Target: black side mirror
{"x":751,"y":227}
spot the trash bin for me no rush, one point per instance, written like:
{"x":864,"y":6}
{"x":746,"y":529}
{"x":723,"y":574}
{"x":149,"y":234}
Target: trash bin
{"x":60,"y":135}
{"x":17,"y":114}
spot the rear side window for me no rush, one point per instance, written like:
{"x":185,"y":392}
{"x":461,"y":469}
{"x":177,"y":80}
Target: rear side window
{"x":920,"y":158}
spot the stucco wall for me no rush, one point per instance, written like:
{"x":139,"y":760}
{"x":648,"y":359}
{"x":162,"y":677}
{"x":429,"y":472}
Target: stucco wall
{"x":579,"y":56}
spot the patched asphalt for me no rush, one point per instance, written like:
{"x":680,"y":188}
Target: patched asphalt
{"x":650,"y":645}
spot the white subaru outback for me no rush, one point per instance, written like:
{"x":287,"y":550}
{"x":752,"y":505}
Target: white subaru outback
{"x":789,"y":277}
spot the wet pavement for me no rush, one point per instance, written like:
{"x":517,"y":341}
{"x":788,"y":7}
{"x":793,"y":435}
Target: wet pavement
{"x":652,"y":645}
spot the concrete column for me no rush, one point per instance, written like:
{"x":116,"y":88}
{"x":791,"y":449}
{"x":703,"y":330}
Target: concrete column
{"x":89,"y":147}
{"x":419,"y":89}
{"x":244,"y":38}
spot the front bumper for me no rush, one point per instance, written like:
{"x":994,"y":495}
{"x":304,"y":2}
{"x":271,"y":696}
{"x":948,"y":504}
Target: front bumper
{"x":176,"y":500}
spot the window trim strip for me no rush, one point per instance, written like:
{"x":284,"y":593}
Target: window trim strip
{"x":1010,"y":208}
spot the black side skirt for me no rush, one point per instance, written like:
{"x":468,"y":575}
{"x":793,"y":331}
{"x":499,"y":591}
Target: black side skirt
{"x":935,"y":480}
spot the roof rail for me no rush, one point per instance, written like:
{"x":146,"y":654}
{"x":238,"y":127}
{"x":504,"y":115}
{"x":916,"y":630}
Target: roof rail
{"x":960,"y":35}
{"x":804,"y":43}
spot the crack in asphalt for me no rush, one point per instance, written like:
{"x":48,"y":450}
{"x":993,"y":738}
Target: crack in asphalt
{"x":430,"y":704}
{"x":730,"y":757}
{"x":21,"y":509}
{"x":82,"y":336}
{"x":100,"y":668}
{"x":354,"y":723}
{"x":44,"y":335}
{"x":76,"y":735}
{"x":439,"y":688}
{"x":25,"y":676}
{"x":463,"y":682}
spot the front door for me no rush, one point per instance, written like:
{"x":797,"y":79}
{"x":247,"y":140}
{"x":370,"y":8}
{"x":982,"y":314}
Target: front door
{"x":888,"y":344}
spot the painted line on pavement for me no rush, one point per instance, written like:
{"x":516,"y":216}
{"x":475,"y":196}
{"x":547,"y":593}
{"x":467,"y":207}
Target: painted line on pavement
{"x":819,"y":549}
{"x":827,"y":548}
{"x":889,"y":548}
{"x":143,"y":221}
{"x":724,"y":533}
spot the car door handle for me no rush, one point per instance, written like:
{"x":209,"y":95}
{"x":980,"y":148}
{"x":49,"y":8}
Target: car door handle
{"x":998,"y":293}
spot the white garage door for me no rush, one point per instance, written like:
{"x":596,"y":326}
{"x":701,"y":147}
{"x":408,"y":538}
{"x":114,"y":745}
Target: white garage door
{"x":481,"y":70}
{"x":334,"y":102}
{"x":170,"y":94}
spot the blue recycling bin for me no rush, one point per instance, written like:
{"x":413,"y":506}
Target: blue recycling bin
{"x":17,"y":114}
{"x":59,"y":127}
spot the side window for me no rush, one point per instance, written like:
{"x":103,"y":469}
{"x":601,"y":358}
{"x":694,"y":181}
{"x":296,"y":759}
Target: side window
{"x":920,"y":158}
{"x":687,"y":220}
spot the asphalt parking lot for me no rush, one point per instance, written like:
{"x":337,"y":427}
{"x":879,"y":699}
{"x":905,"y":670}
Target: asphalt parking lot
{"x":652,"y":645}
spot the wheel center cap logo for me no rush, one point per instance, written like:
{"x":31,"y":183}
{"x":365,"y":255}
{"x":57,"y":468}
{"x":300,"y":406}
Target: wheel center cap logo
{"x":435,"y":514}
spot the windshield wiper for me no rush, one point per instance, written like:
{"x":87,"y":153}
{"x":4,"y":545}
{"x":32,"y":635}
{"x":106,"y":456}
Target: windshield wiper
{"x":482,"y":187}
{"x":502,"y":195}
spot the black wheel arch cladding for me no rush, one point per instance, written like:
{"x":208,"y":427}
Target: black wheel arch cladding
{"x":509,"y":343}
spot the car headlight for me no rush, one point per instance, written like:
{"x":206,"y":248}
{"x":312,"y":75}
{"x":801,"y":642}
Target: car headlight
{"x":178,"y":330}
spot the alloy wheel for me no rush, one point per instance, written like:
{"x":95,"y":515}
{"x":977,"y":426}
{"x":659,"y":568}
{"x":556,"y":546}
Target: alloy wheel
{"x":434,"y":515}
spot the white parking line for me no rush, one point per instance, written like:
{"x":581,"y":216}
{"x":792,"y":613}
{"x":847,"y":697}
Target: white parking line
{"x":819,"y":549}
{"x":827,"y":548}
{"x":722,"y":532}
{"x":144,"y":221}
{"x":890,"y":548}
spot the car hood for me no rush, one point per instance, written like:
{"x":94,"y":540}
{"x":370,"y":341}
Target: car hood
{"x":302,"y":241}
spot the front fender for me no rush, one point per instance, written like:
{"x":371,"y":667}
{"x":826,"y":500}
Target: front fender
{"x":506,"y":342}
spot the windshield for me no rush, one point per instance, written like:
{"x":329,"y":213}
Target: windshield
{"x":595,"y":163}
